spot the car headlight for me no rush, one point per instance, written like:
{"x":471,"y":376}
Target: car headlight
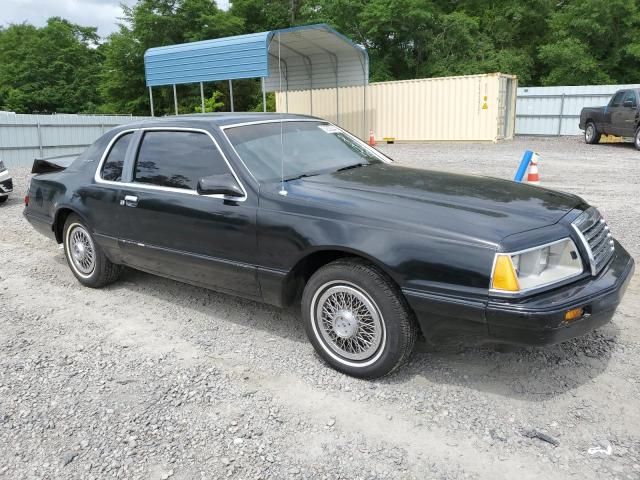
{"x":536,"y":267}
{"x":2,"y":167}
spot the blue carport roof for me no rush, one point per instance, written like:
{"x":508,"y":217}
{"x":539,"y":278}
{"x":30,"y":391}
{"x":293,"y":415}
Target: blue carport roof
{"x":311,"y":56}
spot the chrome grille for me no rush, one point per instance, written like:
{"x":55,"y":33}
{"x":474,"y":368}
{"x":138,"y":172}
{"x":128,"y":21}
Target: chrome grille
{"x":596,"y":238}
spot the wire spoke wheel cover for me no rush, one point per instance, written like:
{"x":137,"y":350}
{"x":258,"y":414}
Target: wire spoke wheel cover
{"x":81,"y":250}
{"x":349,"y":323}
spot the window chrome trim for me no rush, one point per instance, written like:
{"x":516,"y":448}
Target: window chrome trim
{"x":537,"y":288}
{"x":378,"y":154}
{"x":99,"y":180}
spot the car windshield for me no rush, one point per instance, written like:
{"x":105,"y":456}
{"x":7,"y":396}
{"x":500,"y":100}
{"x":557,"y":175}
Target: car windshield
{"x":307,"y":147}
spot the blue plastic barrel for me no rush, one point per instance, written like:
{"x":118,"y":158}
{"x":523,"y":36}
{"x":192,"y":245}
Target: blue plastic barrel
{"x":524,"y":163}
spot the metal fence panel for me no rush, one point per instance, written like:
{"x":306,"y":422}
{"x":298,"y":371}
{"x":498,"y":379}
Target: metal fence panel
{"x":556,"y":110}
{"x":24,"y":137}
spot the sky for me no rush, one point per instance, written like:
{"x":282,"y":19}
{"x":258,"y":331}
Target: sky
{"x":91,"y":13}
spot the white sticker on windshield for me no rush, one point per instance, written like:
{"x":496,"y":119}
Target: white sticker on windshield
{"x":330,"y":128}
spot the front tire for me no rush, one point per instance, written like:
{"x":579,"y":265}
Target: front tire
{"x":636,"y":139}
{"x":357,"y":319}
{"x":4,"y":199}
{"x":591,"y":134}
{"x":86,"y":259}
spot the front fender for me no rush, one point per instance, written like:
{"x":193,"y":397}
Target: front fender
{"x":414,"y":261}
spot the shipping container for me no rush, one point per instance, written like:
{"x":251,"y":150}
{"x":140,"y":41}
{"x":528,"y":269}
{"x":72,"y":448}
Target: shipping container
{"x":465,"y":108}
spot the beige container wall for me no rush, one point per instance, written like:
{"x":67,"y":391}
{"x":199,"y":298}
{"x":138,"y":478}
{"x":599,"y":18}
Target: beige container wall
{"x":434,"y":109}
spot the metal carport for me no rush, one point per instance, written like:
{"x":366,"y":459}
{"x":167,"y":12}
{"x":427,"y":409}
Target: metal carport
{"x":311,"y":57}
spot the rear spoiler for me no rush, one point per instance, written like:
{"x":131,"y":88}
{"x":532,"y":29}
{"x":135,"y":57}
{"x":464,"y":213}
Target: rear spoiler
{"x":52,"y":164}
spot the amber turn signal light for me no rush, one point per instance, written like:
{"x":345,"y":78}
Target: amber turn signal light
{"x":504,"y":275}
{"x":574,"y":314}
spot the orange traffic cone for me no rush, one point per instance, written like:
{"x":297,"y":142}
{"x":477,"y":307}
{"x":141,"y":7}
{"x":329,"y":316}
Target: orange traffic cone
{"x":533,"y":177}
{"x":372,"y":139}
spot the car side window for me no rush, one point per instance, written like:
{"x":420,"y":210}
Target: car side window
{"x":112,"y":167}
{"x":177,"y":159}
{"x":630,"y":96}
{"x":617,"y":99}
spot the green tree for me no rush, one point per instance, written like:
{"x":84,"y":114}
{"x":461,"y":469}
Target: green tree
{"x":122,"y":80}
{"x":154,"y":23}
{"x":49,"y":69}
{"x":57,"y":67}
{"x":591,"y":42}
{"x":211,"y":104}
{"x":263,"y":15}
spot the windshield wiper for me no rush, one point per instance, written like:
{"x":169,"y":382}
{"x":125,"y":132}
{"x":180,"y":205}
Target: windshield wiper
{"x":302,"y":175}
{"x":355,"y":165}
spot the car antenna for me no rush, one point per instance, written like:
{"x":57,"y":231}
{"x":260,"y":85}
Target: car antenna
{"x":282,"y":191}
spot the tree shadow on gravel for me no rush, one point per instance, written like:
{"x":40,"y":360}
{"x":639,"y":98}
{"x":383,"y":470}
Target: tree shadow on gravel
{"x":533,"y":374}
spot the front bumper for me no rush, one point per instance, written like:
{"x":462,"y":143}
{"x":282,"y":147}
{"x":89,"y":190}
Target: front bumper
{"x":6,"y":183}
{"x":539,"y":320}
{"x":533,"y":320}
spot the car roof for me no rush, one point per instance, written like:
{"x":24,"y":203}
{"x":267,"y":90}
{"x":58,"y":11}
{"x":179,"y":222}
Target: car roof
{"x":217,"y":119}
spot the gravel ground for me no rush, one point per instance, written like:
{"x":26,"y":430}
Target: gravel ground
{"x":150,"y":378}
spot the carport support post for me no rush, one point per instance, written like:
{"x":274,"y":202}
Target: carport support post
{"x":337,"y":96}
{"x":231,"y":94}
{"x":151,"y":101}
{"x":337,"y":101}
{"x":264,"y":96}
{"x":202,"y":96}
{"x":175,"y":98}
{"x":311,"y":88}
{"x":364,"y":110}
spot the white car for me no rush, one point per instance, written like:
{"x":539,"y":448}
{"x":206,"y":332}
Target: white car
{"x":6,"y":183}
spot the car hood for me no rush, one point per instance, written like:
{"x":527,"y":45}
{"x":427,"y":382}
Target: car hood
{"x":485,"y":208}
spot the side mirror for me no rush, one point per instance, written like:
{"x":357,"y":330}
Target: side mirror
{"x":224,"y":184}
{"x":629,"y":104}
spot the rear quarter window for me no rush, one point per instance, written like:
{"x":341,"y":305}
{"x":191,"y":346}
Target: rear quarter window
{"x":113,"y":164}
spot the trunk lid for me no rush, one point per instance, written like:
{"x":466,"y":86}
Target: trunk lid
{"x":52,"y":164}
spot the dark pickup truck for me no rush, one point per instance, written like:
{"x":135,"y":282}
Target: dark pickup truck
{"x":620,"y":117}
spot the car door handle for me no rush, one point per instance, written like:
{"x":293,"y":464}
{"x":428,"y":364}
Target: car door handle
{"x":129,"y":201}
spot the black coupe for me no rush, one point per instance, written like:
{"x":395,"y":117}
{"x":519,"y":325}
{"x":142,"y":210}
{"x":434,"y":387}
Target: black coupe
{"x":291,"y":209}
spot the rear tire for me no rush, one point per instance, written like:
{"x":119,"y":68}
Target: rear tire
{"x":86,"y":259}
{"x":591,"y":134}
{"x":4,"y":199}
{"x":357,"y":319}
